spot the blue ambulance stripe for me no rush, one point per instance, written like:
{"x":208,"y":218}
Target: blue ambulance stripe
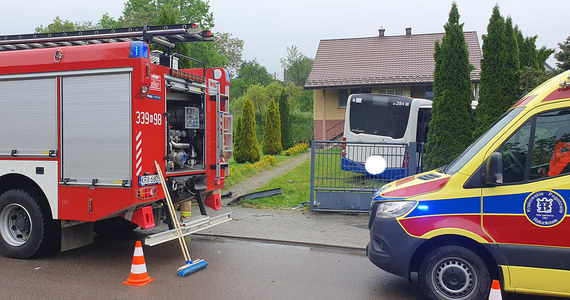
{"x":456,"y":206}
{"x":513,"y":204}
{"x":505,"y":204}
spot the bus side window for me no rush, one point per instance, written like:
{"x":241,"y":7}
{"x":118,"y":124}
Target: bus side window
{"x":424,"y":116}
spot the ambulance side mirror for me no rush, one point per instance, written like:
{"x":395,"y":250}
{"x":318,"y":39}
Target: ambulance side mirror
{"x":494,"y":169}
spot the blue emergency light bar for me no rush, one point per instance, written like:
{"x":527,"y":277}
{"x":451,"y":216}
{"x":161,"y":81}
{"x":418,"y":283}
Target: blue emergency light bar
{"x":138,"y":49}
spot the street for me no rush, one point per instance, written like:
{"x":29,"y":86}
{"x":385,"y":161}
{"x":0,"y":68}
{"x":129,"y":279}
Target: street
{"x":238,"y":269}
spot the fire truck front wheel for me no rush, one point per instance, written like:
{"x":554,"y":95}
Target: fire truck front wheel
{"x":24,"y":224}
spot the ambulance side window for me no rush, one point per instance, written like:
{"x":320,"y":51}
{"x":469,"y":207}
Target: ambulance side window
{"x":551,"y":147}
{"x":515,"y":152}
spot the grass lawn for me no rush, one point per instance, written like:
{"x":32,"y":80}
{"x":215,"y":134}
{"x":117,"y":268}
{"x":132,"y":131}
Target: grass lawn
{"x":241,"y":172}
{"x":295,"y":186}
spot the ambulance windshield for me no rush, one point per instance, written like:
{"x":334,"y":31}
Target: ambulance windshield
{"x":466,"y":156}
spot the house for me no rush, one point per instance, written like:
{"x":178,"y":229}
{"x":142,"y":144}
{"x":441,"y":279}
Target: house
{"x":395,"y":65}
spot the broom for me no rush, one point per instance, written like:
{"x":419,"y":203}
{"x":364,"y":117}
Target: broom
{"x":191,"y":266}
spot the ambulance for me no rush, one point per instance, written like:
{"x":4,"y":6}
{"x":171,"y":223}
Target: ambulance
{"x":498,"y":211}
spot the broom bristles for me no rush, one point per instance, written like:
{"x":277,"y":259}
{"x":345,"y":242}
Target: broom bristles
{"x":192,"y":267}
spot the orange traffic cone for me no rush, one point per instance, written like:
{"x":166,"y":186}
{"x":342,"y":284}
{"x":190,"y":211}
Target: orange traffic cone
{"x":495,"y":293}
{"x":138,"y":268}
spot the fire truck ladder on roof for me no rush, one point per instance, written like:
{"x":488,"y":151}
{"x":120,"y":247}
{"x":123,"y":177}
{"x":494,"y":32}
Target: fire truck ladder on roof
{"x":165,"y":35}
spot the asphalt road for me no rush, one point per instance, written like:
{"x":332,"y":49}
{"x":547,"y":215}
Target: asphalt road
{"x":238,"y":269}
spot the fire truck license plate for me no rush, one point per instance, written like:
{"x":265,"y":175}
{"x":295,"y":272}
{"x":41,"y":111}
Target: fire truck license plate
{"x":148,"y":180}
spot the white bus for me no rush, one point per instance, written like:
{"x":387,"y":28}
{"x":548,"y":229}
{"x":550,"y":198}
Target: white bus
{"x":387,"y":119}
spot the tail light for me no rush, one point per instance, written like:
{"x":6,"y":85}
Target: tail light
{"x":343,"y":147}
{"x":147,"y":192}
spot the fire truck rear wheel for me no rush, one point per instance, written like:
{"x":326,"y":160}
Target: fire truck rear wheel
{"x":454,"y":272}
{"x":24,"y":224}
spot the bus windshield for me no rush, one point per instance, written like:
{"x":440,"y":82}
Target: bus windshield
{"x":379,"y":115}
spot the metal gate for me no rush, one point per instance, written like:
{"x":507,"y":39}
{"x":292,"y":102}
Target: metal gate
{"x":339,"y":181}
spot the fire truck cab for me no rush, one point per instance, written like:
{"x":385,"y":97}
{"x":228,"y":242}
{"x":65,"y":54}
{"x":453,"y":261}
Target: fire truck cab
{"x":84,"y":116}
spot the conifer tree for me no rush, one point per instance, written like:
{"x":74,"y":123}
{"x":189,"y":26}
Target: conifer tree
{"x":493,"y":101}
{"x":452,"y":119}
{"x":246,"y":149}
{"x":512,"y":65}
{"x":272,"y":131}
{"x":286,"y":136}
{"x":563,"y":57}
{"x":239,"y":148}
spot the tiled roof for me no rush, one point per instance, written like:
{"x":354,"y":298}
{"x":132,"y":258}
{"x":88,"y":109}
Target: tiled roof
{"x":386,"y":60}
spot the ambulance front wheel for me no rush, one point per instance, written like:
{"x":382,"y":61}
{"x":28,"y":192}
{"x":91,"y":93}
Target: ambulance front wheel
{"x":24,"y":224}
{"x":454,"y":272}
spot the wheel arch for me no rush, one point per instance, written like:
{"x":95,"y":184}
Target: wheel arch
{"x":458,"y":240}
{"x":19,"y":181}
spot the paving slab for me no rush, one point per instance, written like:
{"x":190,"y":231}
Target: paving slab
{"x":293,"y":226}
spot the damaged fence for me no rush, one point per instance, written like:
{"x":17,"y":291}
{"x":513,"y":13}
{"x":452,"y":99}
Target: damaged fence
{"x":339,"y":180}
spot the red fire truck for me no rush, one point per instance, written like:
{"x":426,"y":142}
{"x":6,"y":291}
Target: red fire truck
{"x":84,"y":115}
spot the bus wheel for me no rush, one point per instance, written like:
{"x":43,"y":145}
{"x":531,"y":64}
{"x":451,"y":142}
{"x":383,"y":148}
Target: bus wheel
{"x":454,"y":272}
{"x":23,"y":225}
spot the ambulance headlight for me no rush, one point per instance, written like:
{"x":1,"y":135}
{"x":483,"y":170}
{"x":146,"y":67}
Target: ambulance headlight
{"x":394,"y":209}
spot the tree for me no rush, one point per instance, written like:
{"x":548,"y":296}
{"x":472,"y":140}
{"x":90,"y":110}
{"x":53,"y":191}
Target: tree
{"x":286,"y":137}
{"x":528,"y":55}
{"x":512,"y":64}
{"x":245,"y":145}
{"x":492,"y":99}
{"x":249,"y":73}
{"x":563,"y":57}
{"x":147,"y":12}
{"x":59,"y":25}
{"x":452,"y":100}
{"x":297,"y":66}
{"x":272,"y":130}
{"x":231,"y":49}
{"x":532,"y":71}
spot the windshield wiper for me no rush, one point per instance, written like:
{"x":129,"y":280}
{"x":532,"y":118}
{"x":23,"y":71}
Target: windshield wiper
{"x":442,"y":169}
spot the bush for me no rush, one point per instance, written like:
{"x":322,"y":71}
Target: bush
{"x":302,"y":126}
{"x":286,"y":137}
{"x":245,"y":142}
{"x":299,"y":148}
{"x":272,"y":130}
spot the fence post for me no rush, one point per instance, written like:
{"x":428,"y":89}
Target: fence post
{"x":312,"y":198}
{"x":413,"y":158}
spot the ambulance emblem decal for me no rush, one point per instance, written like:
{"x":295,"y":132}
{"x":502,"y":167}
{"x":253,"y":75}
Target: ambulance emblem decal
{"x":545,"y":208}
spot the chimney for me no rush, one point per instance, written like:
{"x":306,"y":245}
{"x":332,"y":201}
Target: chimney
{"x":381,"y":32}
{"x":409,"y":31}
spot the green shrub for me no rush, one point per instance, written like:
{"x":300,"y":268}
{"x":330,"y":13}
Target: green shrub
{"x":286,"y":137}
{"x":270,"y":159}
{"x":302,"y":126}
{"x":272,"y":130}
{"x":299,"y":148}
{"x":245,"y":145}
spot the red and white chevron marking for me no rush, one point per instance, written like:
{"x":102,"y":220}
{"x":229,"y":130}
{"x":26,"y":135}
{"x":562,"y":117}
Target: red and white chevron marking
{"x":138,"y":150}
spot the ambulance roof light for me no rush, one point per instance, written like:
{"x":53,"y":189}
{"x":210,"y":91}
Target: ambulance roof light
{"x":138,"y":49}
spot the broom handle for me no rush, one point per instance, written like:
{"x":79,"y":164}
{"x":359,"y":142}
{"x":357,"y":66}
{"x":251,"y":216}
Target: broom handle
{"x":170,"y":205}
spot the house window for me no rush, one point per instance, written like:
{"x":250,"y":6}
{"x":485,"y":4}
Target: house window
{"x":397,"y":92}
{"x":344,"y":93}
{"x":429,"y":92}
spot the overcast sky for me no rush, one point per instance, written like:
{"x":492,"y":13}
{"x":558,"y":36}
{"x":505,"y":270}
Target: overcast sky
{"x":269,"y":27}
